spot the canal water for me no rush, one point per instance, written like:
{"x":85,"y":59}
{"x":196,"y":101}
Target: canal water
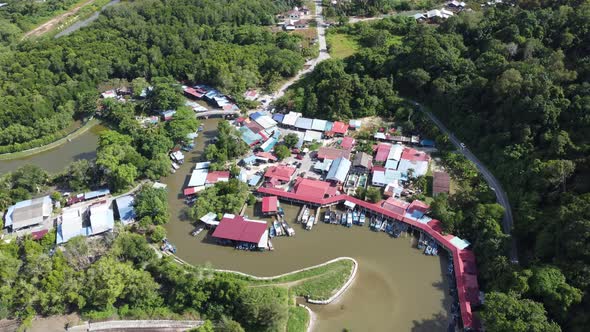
{"x":80,"y":24}
{"x":58,"y":158}
{"x":397,"y":287}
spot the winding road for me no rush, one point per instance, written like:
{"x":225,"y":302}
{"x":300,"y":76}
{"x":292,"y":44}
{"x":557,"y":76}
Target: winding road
{"x":501,"y":196}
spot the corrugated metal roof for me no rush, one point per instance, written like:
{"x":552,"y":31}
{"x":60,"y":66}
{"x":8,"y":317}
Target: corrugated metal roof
{"x":291,"y":118}
{"x":198,"y":178}
{"x":96,"y":193}
{"x":303,"y":123}
{"x":319,"y":125}
{"x":339,"y":170}
{"x":125,"y":209}
{"x":311,"y":135}
{"x":101,"y":219}
{"x":266,"y":121}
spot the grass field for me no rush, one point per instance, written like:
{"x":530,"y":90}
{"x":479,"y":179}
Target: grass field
{"x":325,"y":285}
{"x":341,"y":45}
{"x":298,"y":319}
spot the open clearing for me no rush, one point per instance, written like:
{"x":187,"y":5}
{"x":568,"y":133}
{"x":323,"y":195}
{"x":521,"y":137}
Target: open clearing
{"x":341,"y":45}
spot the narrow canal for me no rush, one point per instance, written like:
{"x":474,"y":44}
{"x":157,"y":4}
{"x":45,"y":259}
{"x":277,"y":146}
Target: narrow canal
{"x":397,"y":287}
{"x":58,"y":158}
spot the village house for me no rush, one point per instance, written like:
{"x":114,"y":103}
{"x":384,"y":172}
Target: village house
{"x":362,"y":163}
{"x":234,"y":228}
{"x":278,"y":175}
{"x":28,"y":214}
{"x":338,"y":170}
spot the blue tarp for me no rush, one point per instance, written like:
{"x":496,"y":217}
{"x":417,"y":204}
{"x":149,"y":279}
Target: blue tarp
{"x":125,"y":209}
{"x":96,"y":193}
{"x":278,"y":117}
{"x":256,"y":115}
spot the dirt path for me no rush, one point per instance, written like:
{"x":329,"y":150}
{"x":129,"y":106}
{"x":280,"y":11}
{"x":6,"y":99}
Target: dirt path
{"x":52,"y":23}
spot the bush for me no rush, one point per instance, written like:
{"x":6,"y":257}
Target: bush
{"x":158,"y":234}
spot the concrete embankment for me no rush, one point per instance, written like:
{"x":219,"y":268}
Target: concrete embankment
{"x":151,"y":325}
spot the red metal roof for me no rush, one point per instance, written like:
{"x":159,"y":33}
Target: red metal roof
{"x":347,"y":142}
{"x":269,"y":204}
{"x":266,"y":155}
{"x":189,"y":191}
{"x":396,"y":205}
{"x":463,"y":260}
{"x":382,"y":151}
{"x":415,"y":155}
{"x":418,"y":205}
{"x":239,"y":229}
{"x":192,"y":92}
{"x":339,"y":127}
{"x":332,"y":153}
{"x":280,"y":173}
{"x":213,"y":177}
{"x":255,"y":127}
{"x":312,"y":189}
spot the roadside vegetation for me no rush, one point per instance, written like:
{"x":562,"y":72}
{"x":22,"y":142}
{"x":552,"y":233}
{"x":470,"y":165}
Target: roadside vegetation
{"x":298,"y":319}
{"x":341,"y":45}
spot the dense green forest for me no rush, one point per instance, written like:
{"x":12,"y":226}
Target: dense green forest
{"x":374,"y":7}
{"x":224,"y":43}
{"x":514,"y":84}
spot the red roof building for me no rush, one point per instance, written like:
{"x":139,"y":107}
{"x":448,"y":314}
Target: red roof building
{"x":38,"y":235}
{"x":415,"y":155}
{"x":395,"y":205}
{"x":332,"y":153}
{"x":314,"y":189}
{"x":266,"y":155}
{"x":217,"y":176}
{"x":254,"y":127}
{"x":347,"y":142}
{"x":236,"y":228}
{"x":269,"y":204}
{"x":281,"y":173}
{"x":339,"y":128}
{"x":382,"y":152}
{"x":191,"y":92}
{"x":417,"y":205}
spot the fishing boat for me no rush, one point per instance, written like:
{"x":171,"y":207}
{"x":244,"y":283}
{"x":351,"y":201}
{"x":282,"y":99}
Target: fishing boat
{"x":280,"y":211}
{"x":175,"y":165}
{"x":277,"y":227}
{"x":271,"y":232}
{"x":305,"y":215}
{"x":372,"y":223}
{"x":383,"y":226}
{"x":327,"y":217}
{"x":197,"y":231}
{"x":355,"y":217}
{"x":288,"y":229}
{"x":167,"y":246}
{"x":343,"y":218}
{"x":349,"y":219}
{"x":302,"y":213}
{"x":428,"y":250}
{"x":333,"y":218}
{"x":309,"y":223}
{"x":378,"y":223}
{"x":362,"y":219}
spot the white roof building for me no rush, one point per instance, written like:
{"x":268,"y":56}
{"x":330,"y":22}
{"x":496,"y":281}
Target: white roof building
{"x":101,"y":219}
{"x":420,"y":167}
{"x":339,"y":170}
{"x":395,"y":153}
{"x":71,"y":225}
{"x":28,"y":213}
{"x":311,"y":136}
{"x":319,"y":125}
{"x":198,"y":177}
{"x":291,"y":118}
{"x":266,"y":121}
{"x":203,"y":165}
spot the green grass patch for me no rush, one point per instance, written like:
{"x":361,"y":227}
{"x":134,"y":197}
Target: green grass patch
{"x":341,"y":45}
{"x":298,"y":319}
{"x":334,"y":266}
{"x":325,"y":285}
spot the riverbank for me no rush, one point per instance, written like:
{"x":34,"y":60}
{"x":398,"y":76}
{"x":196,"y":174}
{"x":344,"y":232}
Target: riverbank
{"x":26,"y":153}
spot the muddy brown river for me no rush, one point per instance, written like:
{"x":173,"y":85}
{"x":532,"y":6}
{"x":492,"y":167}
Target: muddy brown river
{"x":58,"y":158}
{"x":397,"y":287}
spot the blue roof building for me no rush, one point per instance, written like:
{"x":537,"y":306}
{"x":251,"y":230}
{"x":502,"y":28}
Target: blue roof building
{"x":249,"y":136}
{"x":125,"y":209}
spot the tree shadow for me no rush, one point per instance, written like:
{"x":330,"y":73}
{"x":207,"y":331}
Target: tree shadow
{"x":438,"y":322}
{"x":85,"y":155}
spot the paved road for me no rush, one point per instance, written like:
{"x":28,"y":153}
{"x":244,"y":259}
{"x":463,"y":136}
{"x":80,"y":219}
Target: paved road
{"x":312,"y":63}
{"x":507,"y":220}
